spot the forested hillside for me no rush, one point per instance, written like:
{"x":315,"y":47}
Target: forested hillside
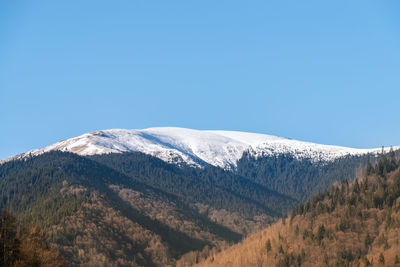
{"x":301,"y":179}
{"x":353,"y":224}
{"x":24,"y":245}
{"x":210,"y":186}
{"x":133,"y":209}
{"x":149,"y":213}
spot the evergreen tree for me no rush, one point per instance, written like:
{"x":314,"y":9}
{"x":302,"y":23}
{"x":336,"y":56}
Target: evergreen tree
{"x":268,"y":245}
{"x":369,"y":169}
{"x":367,"y":241}
{"x":381,"y":258}
{"x":356,"y":187}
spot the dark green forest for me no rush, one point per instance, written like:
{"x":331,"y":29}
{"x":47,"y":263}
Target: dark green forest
{"x":209,"y":185}
{"x":301,"y":179}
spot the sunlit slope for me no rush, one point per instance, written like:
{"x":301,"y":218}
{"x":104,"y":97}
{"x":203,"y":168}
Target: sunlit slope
{"x":351,"y":225}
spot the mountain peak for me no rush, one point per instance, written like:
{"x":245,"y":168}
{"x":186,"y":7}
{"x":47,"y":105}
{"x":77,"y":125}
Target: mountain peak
{"x":196,"y":147}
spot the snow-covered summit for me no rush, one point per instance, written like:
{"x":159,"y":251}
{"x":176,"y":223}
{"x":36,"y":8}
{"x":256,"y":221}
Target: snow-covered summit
{"x":196,"y":147}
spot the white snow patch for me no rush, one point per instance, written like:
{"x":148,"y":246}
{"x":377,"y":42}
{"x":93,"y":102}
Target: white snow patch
{"x":196,"y":147}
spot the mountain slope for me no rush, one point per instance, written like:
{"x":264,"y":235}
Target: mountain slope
{"x":209,"y":186}
{"x":107,"y":203}
{"x":350,"y":225}
{"x":300,"y":179}
{"x":131,"y":208}
{"x":196,"y":148}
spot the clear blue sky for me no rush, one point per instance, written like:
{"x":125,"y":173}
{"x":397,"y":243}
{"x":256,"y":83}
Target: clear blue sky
{"x":321,"y":71}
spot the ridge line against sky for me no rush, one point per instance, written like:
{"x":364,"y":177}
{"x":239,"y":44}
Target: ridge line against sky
{"x":321,"y":72}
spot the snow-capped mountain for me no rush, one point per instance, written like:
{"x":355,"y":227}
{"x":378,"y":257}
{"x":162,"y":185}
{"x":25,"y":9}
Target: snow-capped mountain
{"x":196,"y":147}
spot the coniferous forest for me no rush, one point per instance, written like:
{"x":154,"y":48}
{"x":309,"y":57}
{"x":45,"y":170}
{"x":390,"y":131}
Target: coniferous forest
{"x":134,"y":209}
{"x":354,"y":223}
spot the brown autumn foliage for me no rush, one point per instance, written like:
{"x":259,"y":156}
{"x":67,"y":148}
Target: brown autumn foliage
{"x":25,"y":247}
{"x":33,"y":251}
{"x":351,"y":225}
{"x":98,"y":234}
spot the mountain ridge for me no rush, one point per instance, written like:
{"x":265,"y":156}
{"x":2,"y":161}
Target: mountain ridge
{"x":196,"y":148}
